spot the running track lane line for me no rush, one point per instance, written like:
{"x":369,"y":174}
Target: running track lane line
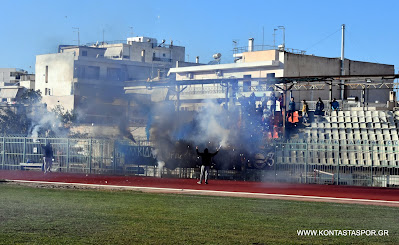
{"x":211,"y":192}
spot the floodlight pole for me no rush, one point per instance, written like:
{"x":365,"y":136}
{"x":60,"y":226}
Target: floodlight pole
{"x":342,"y":62}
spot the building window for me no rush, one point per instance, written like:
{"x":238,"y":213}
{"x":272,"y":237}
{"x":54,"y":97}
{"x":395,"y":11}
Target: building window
{"x":84,"y":53}
{"x":164,"y":55}
{"x":46,"y":75}
{"x":80,"y":72}
{"x":115,"y":74}
{"x":92,"y":72}
{"x":143,"y":56}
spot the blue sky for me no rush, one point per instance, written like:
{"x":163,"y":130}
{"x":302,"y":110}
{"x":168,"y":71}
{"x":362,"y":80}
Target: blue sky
{"x":29,"y":28}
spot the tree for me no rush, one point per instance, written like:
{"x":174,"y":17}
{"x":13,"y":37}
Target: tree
{"x":65,"y":116}
{"x":31,"y":97}
{"x":15,"y":119}
{"x":12,"y":122}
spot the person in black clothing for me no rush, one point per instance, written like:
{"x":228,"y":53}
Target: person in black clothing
{"x":206,"y":163}
{"x":291,"y":109}
{"x":319,"y":107}
{"x":47,"y":157}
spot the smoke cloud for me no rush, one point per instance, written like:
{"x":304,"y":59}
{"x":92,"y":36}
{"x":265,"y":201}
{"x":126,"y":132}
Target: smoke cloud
{"x":213,"y":123}
{"x":45,"y":123}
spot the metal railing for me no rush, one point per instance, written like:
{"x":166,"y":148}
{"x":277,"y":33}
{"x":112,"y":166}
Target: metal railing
{"x":339,"y":162}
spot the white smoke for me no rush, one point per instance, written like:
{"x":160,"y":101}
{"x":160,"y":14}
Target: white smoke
{"x":212,"y":122}
{"x":161,"y":164}
{"x":44,"y":120}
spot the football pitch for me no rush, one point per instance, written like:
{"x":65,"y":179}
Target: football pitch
{"x":68,"y":216}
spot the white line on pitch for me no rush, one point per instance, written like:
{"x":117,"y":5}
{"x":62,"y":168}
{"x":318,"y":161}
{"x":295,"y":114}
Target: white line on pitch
{"x":208,"y":191}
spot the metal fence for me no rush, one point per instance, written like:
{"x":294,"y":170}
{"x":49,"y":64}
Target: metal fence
{"x":313,"y":162}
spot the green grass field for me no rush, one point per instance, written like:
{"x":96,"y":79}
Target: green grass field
{"x":61,"y":216}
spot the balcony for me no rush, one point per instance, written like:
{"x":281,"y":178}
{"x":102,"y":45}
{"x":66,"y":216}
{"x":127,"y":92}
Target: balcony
{"x":161,"y":59}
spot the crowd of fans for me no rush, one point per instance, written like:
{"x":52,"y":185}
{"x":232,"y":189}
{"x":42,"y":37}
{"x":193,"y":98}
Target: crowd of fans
{"x":267,"y":115}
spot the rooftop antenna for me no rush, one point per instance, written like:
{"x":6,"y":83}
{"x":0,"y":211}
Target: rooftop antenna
{"x":283,"y":28}
{"x":131,"y":31}
{"x":235,"y":43}
{"x":77,"y":28}
{"x":274,"y":38}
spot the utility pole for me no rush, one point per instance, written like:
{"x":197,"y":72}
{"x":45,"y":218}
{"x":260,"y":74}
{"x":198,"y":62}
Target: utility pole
{"x":77,"y":28}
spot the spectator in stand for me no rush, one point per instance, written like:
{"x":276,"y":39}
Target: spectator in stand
{"x":319,"y":107}
{"x":272,"y":100}
{"x":259,"y":110}
{"x":334,"y":105}
{"x":305,"y":110}
{"x":264,"y":101}
{"x":280,"y":101}
{"x":291,"y":108}
{"x":252,"y":100}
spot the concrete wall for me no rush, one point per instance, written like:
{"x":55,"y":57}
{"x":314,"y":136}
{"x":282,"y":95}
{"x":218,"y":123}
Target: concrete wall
{"x":67,"y":102}
{"x":296,"y":65}
{"x":260,"y":56}
{"x":307,"y":65}
{"x":60,"y":73}
{"x":28,"y":84}
{"x":365,"y":68}
{"x":90,"y":51}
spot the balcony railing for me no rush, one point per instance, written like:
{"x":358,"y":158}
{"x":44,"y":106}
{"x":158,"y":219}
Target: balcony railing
{"x":161,"y":59}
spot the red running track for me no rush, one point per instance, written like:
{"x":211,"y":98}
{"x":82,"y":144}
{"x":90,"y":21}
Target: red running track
{"x":308,"y":192}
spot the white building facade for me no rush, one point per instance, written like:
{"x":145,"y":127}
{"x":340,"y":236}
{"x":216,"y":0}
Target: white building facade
{"x":92,"y":77}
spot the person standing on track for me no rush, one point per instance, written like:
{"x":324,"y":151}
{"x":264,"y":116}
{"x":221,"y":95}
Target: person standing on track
{"x":206,"y":163}
{"x":47,"y":157}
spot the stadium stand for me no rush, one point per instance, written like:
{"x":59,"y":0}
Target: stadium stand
{"x":361,"y":138}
